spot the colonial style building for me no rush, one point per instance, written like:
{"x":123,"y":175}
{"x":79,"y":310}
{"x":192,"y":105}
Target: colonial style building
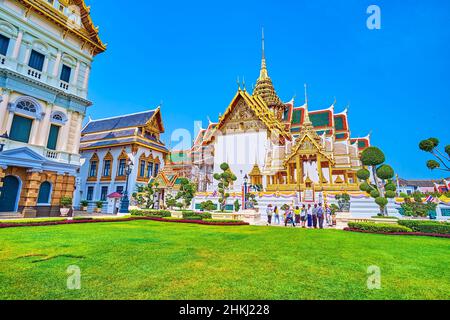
{"x":108,"y":145}
{"x":46,"y":51}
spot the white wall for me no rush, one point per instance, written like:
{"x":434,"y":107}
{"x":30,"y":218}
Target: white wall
{"x":240,"y":151}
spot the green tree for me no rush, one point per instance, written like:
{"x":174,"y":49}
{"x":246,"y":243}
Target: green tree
{"x":384,"y":188}
{"x":225,"y":179}
{"x":237,"y":206}
{"x":187,"y":192}
{"x":171,"y":202}
{"x":145,"y":195}
{"x":443,"y":158}
{"x":208,"y":206}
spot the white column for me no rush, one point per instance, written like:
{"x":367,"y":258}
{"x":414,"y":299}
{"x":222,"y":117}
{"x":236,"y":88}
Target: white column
{"x":34,"y":131}
{"x":76,"y":144}
{"x":56,"y":66}
{"x":64,"y":134}
{"x":27,"y":56}
{"x":86,"y":77}
{"x":46,"y":61}
{"x":4,"y":112}
{"x":76,"y":74}
{"x":44,"y":128}
{"x":16,"y":51}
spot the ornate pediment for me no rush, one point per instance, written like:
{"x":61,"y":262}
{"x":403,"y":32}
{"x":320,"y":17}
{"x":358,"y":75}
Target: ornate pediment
{"x":308,"y":145}
{"x":243,"y":118}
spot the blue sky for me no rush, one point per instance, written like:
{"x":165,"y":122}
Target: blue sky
{"x":188,"y":54}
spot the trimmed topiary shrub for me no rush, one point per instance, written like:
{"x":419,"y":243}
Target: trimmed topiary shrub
{"x":390,"y":194}
{"x":150,"y":213}
{"x":363,"y":174}
{"x":192,"y":215}
{"x":382,"y":174}
{"x":378,"y":227}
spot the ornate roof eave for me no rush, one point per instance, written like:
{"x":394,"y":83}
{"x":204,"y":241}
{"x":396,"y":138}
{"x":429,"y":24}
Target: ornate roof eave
{"x":261,"y":110}
{"x":272,"y":120}
{"x":89,"y":34}
{"x":159,"y":119}
{"x":313,"y":138}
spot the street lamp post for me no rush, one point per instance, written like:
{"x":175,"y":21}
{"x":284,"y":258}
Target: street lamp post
{"x":125,"y":202}
{"x":245,"y":191}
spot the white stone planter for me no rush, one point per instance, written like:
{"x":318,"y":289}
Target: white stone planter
{"x":64,"y":212}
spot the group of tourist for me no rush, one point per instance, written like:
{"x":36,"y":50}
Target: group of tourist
{"x":308,"y":216}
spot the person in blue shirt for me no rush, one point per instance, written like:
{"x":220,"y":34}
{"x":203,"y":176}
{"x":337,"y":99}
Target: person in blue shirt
{"x":320,"y":216}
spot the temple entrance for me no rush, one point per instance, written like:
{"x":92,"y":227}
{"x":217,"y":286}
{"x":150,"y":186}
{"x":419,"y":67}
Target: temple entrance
{"x":9,"y":194}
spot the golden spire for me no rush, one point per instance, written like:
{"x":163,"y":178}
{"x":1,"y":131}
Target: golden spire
{"x":264,"y":86}
{"x":263,"y":74}
{"x":307,"y":121}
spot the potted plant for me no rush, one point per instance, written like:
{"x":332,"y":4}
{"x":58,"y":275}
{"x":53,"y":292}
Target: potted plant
{"x":66,"y":205}
{"x":99,"y":206}
{"x":84,"y":205}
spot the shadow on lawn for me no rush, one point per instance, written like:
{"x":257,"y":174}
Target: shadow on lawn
{"x":48,"y":258}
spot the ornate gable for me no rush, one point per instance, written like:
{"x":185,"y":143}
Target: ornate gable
{"x":155,"y":123}
{"x":250,"y":113}
{"x":242,"y":118}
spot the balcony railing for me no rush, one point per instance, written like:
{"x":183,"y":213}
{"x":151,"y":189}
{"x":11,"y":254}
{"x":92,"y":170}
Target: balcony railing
{"x":34,"y":73}
{"x":64,"y":85}
{"x":53,"y":155}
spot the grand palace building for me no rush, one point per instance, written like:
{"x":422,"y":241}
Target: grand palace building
{"x":279,"y":147}
{"x":46,"y":51}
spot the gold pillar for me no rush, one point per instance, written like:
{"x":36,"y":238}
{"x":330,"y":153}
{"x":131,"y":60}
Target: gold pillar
{"x":319,"y":168}
{"x":289,"y":173}
{"x":299,"y":170}
{"x":331,"y":173}
{"x":346,"y":177}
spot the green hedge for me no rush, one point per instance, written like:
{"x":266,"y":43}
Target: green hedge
{"x":378,"y":227}
{"x":427,"y":226}
{"x":223,"y":221}
{"x":382,"y":217}
{"x":151,"y":213}
{"x":191,"y":215}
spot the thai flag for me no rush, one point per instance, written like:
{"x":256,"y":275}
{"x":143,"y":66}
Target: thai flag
{"x":429,"y":199}
{"x":214,"y":194}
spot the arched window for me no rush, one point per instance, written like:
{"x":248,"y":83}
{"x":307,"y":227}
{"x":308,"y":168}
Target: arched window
{"x":122,"y":160}
{"x":58,"y":117}
{"x":93,"y":168}
{"x":27,"y":105}
{"x":107,"y":165}
{"x":44,"y":193}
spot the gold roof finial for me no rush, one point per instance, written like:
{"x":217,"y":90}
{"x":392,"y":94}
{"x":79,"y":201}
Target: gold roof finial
{"x":307,"y":119}
{"x":263,"y":74}
{"x":264,"y":86}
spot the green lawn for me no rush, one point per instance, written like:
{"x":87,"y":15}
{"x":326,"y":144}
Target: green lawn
{"x":152,"y":260}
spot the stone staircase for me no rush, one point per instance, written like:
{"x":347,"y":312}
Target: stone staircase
{"x":10,"y":215}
